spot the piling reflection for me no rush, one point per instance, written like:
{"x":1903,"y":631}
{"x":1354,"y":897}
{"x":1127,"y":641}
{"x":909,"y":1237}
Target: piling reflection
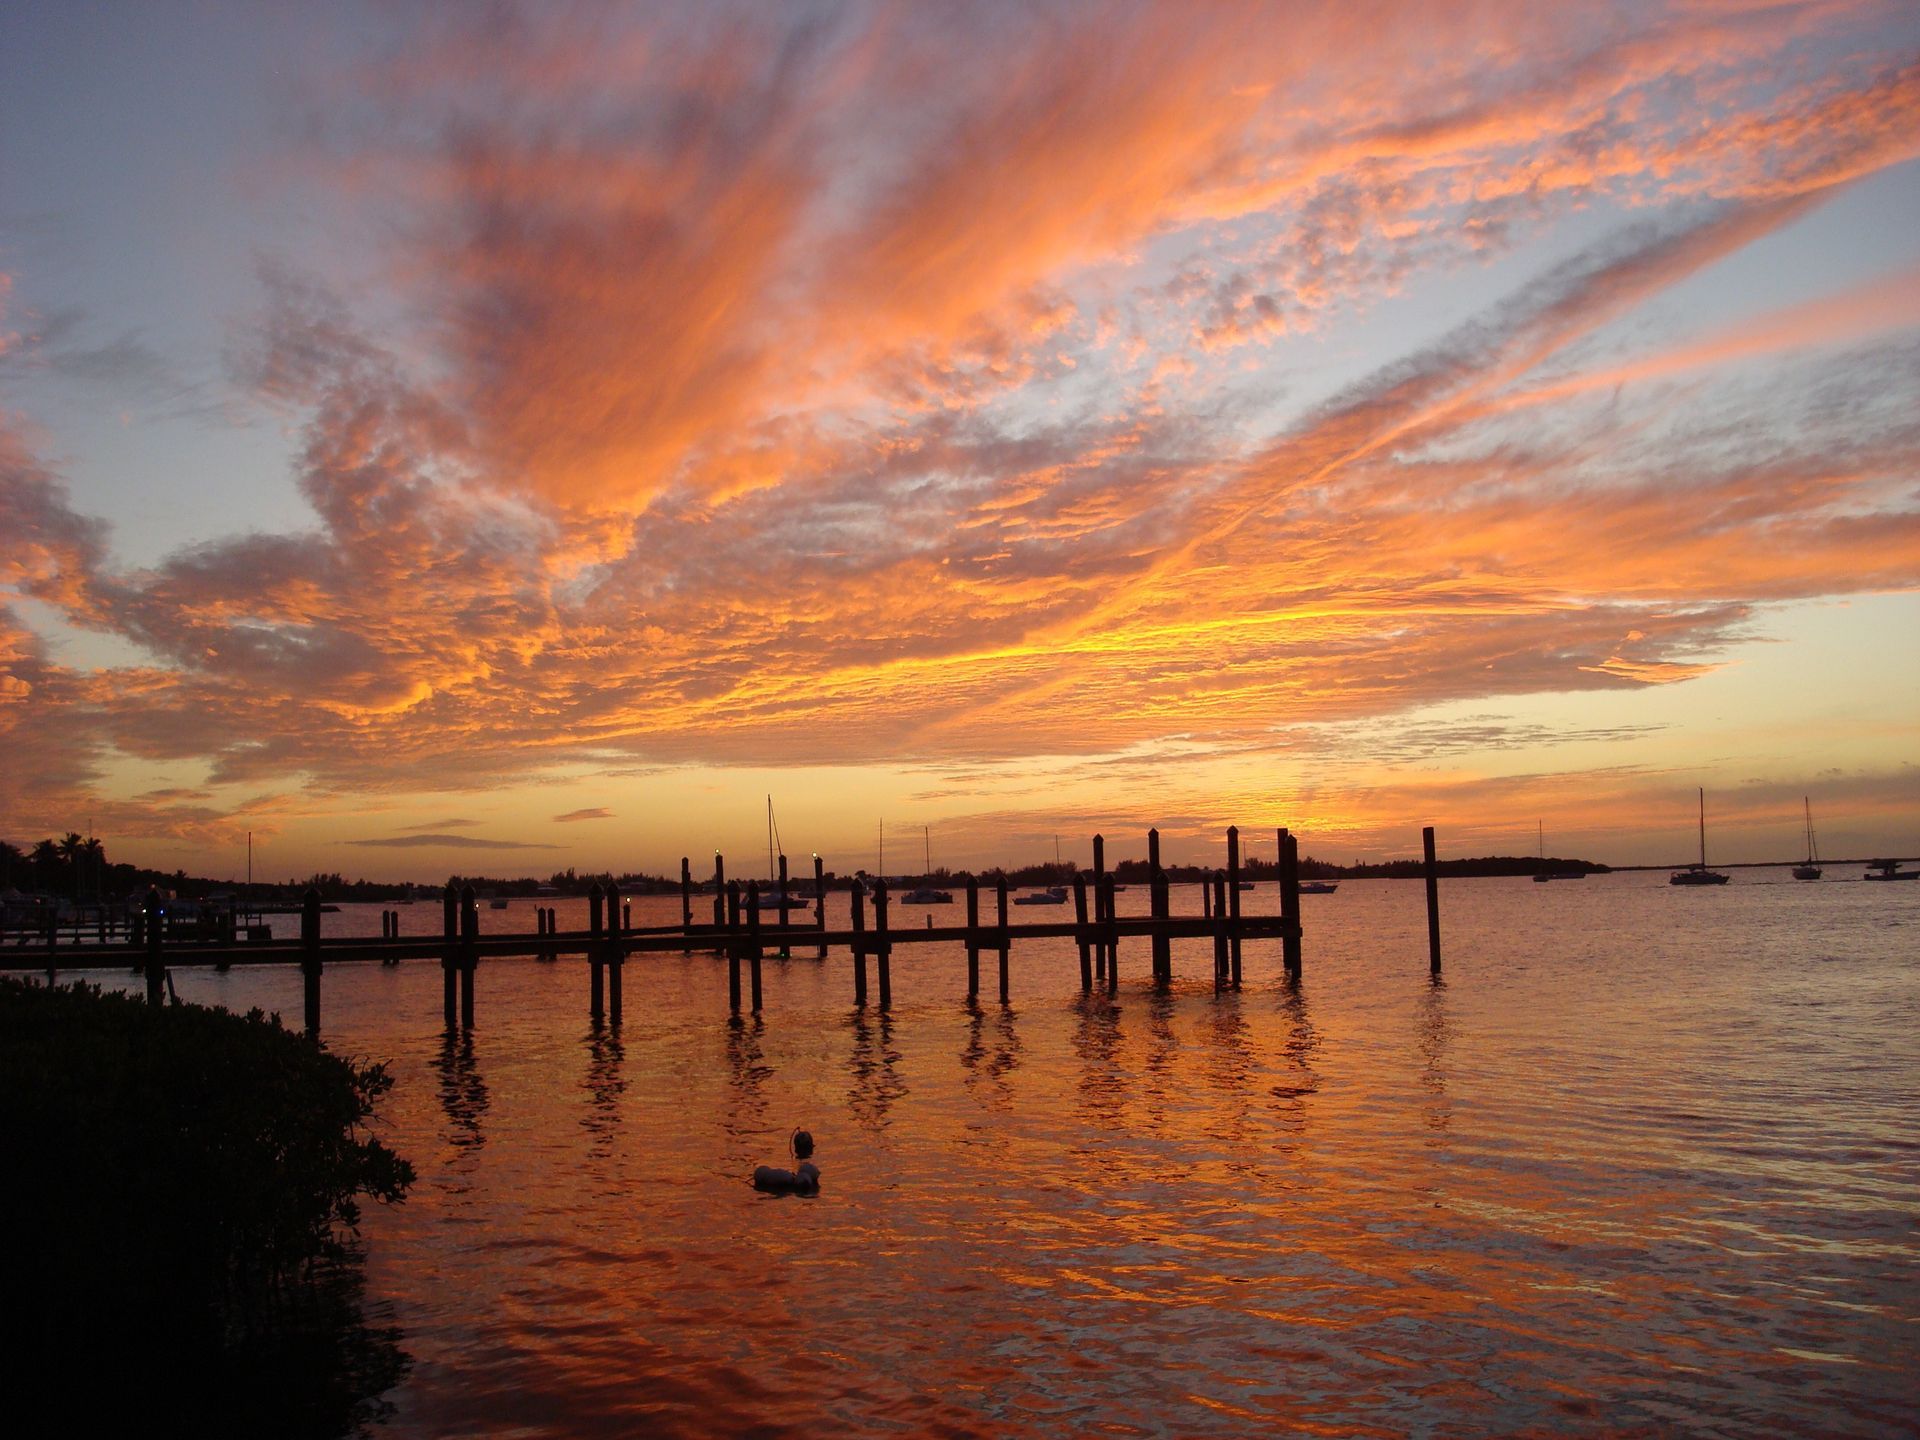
{"x":1227,"y":1066}
{"x":990,"y":1056}
{"x":1163,"y":1048}
{"x":605,"y":1083}
{"x":463,"y":1093}
{"x":1434,"y":1035}
{"x":1296,"y":1079}
{"x":1102,"y":1085}
{"x":874,"y":1063}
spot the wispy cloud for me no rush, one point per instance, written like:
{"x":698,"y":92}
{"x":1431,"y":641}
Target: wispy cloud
{"x":448,"y":842}
{"x":597,"y":813}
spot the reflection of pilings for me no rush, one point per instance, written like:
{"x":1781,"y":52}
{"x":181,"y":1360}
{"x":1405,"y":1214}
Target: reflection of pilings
{"x":874,"y":1063}
{"x":1436,"y":1031}
{"x":605,"y":1084}
{"x":463,"y":1094}
{"x":1096,"y":1040}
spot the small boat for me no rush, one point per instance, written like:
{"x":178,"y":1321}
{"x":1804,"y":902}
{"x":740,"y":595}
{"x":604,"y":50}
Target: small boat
{"x":927,"y":894}
{"x":1699,"y":874}
{"x":1319,"y":887}
{"x":1052,"y":895}
{"x":498,"y":902}
{"x":1808,"y":869}
{"x":1246,"y":885}
{"x":770,"y":898}
{"x":1888,"y":870}
{"x":1542,"y":876}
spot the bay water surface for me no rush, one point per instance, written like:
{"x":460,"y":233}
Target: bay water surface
{"x":1645,"y":1160}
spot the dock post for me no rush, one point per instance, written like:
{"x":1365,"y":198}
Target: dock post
{"x":450,"y":953}
{"x":1099,"y":889}
{"x":820,"y":899}
{"x":1113,"y":937}
{"x":719,"y":891}
{"x":1290,"y":899}
{"x":618,"y":923}
{"x":1433,"y":902}
{"x":1162,"y":947}
{"x":730,"y":899}
{"x":309,"y":961}
{"x":686,"y":906}
{"x":1220,"y":961}
{"x":859,"y":901}
{"x":469,"y":952}
{"x":883,"y":948}
{"x":786,"y":950}
{"x":1006,"y":942}
{"x":753,"y":938}
{"x":156,"y":972}
{"x":1233,"y":899}
{"x":596,"y":987}
{"x":1080,"y":930}
{"x":973,"y":937}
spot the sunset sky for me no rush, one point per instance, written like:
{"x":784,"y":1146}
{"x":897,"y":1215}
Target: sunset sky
{"x":518,"y":439}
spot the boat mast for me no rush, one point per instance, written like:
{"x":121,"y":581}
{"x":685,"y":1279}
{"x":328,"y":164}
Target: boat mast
{"x":926,"y":844}
{"x":1703,"y":827}
{"x":770,"y":870}
{"x":1807,"y":803}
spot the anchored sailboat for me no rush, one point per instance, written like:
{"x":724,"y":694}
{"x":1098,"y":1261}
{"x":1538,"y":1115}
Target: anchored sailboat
{"x":773,"y":897}
{"x":1810,"y":868}
{"x":924,"y":893}
{"x":1699,"y":874}
{"x":1541,"y":876}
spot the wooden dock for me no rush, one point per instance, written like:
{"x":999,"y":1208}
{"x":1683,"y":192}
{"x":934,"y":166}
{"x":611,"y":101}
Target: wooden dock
{"x":738,"y":932}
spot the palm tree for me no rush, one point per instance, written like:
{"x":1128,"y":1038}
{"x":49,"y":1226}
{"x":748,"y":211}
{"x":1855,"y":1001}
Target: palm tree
{"x":45,"y":860}
{"x":72,"y":848}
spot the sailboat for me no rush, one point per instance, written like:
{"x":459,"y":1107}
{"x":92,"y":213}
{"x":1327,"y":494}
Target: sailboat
{"x":1542,"y":876}
{"x":1810,"y":869}
{"x":924,"y":893}
{"x":771,"y":898}
{"x":1699,"y":874}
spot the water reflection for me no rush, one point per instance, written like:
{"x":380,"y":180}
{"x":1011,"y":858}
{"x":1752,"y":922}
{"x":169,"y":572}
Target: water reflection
{"x":987,"y":1066}
{"x":874,"y":1064}
{"x":463,"y":1093}
{"x":1300,"y":1046}
{"x":605,"y":1083}
{"x":1435,"y":1032}
{"x":1227,"y":1065}
{"x":1096,"y":1040}
{"x":1163,"y":1048}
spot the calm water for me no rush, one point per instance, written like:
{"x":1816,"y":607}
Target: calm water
{"x":1648,"y":1160}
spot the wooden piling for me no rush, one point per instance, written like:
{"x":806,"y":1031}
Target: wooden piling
{"x":785,"y":949}
{"x":1099,"y":890}
{"x":450,"y":953}
{"x":469,"y":952}
{"x":1289,"y":852}
{"x":820,"y":900}
{"x":730,"y":899}
{"x":597,"y":984}
{"x":859,"y":900}
{"x":1112,"y":935}
{"x":309,"y":962}
{"x":1433,"y":902}
{"x":619,"y":921}
{"x":719,"y":891}
{"x":1233,"y":900}
{"x":753,"y":938}
{"x":1162,"y":947}
{"x":1220,"y":921}
{"x":973,"y":938}
{"x":686,"y":905}
{"x":156,"y":972}
{"x":1006,"y":942}
{"x":1080,"y":932}
{"x":883,"y":947}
